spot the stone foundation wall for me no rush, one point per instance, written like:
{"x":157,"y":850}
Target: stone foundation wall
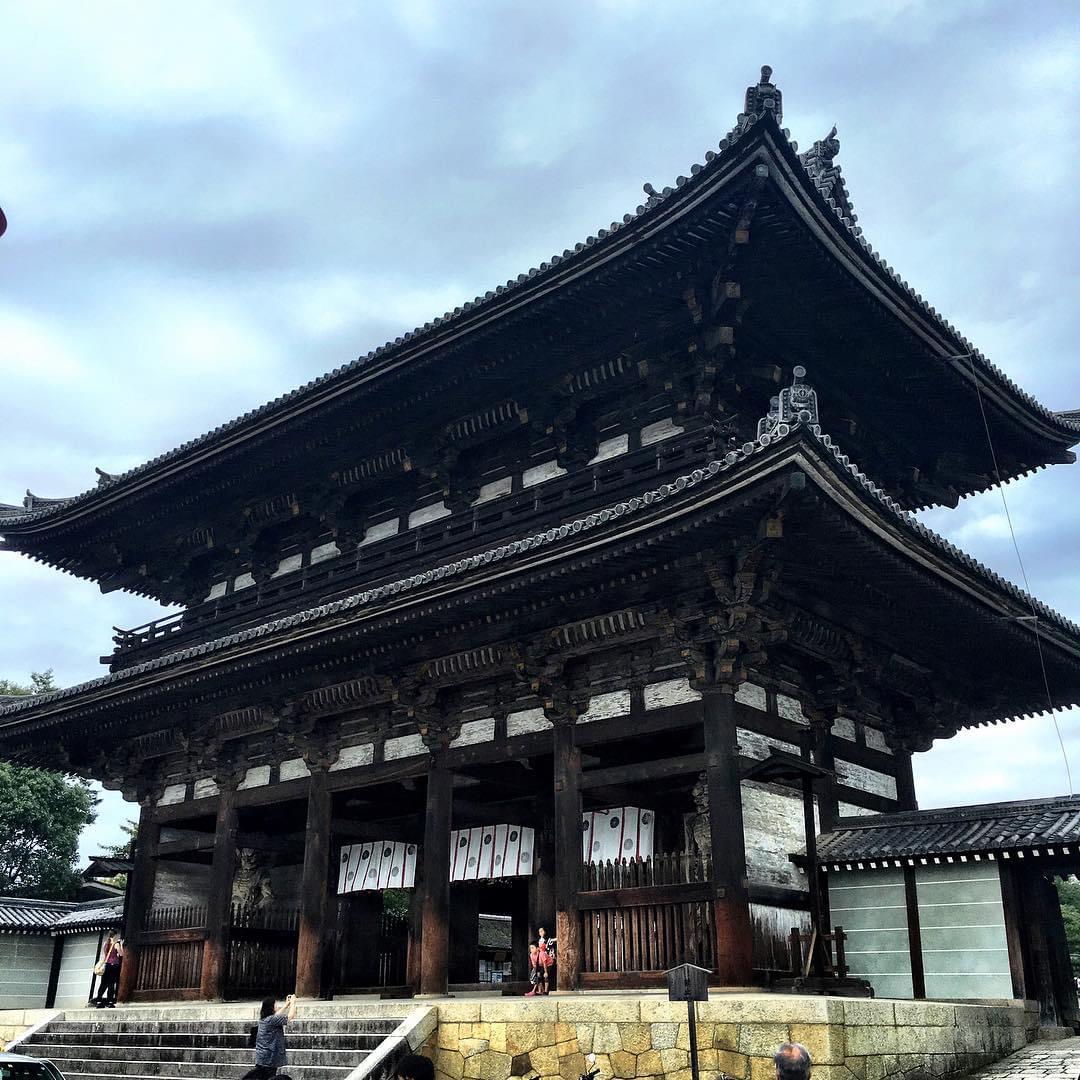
{"x":647,"y":1036}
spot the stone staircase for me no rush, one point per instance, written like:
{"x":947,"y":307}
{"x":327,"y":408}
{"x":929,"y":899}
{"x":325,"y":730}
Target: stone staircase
{"x":205,"y":1042}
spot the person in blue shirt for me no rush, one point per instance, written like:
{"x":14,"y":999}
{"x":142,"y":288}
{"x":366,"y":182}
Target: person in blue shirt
{"x":270,"y":1037}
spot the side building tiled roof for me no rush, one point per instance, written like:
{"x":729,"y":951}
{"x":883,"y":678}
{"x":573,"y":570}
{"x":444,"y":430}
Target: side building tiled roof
{"x":22,"y":916}
{"x":1028,"y":828}
{"x":96,"y":915}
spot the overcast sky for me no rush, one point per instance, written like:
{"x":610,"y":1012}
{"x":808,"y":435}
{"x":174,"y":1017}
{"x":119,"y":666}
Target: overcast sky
{"x":211,"y":203}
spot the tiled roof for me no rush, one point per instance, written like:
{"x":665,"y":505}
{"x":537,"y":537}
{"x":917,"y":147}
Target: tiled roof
{"x":709,"y":473}
{"x":825,"y":181}
{"x":997,"y":829}
{"x":19,"y":916}
{"x":96,"y":915}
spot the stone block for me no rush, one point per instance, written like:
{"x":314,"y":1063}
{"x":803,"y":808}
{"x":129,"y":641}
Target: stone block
{"x":450,"y":1063}
{"x":457,"y":1012}
{"x":708,"y":1060}
{"x":521,"y":1038}
{"x":725,"y":1036}
{"x":657,"y":1010}
{"x":672,"y":1060}
{"x":761,"y":1040}
{"x":511,"y":1010}
{"x":605,"y":1039}
{"x":875,"y":1067}
{"x":584,"y":1035}
{"x":489,"y":1065}
{"x":770,"y":1009}
{"x":469,"y":1048}
{"x":921,"y":1013}
{"x":825,"y":1042}
{"x":498,"y":1037}
{"x":832,"y":1072}
{"x":448,"y":1036}
{"x":891,"y":1063}
{"x":571,"y":1066}
{"x":870,"y":1039}
{"x":857,"y":1067}
{"x":623,"y":1065}
{"x":762,"y":1068}
{"x":733,"y":1064}
{"x":597,"y":1010}
{"x":664,"y":1036}
{"x":859,"y":1012}
{"x":565,"y":1031}
{"x":649,"y":1064}
{"x":635,"y":1038}
{"x":545,"y":1060}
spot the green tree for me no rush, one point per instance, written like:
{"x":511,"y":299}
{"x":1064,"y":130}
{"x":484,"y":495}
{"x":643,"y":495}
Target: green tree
{"x":1069,"y":895}
{"x":41,"y":816}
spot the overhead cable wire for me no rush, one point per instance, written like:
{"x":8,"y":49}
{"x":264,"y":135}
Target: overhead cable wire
{"x":1020,"y":560}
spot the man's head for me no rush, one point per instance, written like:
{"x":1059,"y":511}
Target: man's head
{"x":415,"y":1067}
{"x":792,"y":1062}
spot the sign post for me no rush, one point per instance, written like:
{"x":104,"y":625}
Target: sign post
{"x":689,"y":983}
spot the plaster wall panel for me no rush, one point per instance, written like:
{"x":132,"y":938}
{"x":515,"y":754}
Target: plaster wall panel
{"x":476,"y":731}
{"x":871,"y":907}
{"x":293,"y":769}
{"x":174,"y":793}
{"x":25,"y":962}
{"x":863,"y":779}
{"x":496,"y":489}
{"x":772,"y":829}
{"x":256,"y":777}
{"x":351,"y":757}
{"x":604,"y":706}
{"x":757,"y":746}
{"x":662,"y":429}
{"x":323,"y":552}
{"x":751,"y":694}
{"x":403,"y":746}
{"x":380,"y":531}
{"x":288,"y":565}
{"x":790,"y":709}
{"x":610,"y":448}
{"x":178,"y":884}
{"x":526,"y":721}
{"x":427,"y":514}
{"x":76,"y":969}
{"x":659,"y":695}
{"x":875,"y":739}
{"x":843,"y":728}
{"x":538,"y":474}
{"x":205,"y":788}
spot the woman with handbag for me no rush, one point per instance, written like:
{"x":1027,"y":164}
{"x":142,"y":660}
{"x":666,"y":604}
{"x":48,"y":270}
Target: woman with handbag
{"x":108,"y":969}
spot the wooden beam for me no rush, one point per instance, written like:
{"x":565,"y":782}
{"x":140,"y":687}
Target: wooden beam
{"x":658,"y":769}
{"x":731,"y":902}
{"x":314,"y":889}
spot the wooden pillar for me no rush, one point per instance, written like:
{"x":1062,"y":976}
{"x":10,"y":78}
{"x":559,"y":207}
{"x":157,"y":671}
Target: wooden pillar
{"x":140,"y":894}
{"x":215,"y":965}
{"x":905,"y":781}
{"x":1012,"y":906}
{"x":914,"y":929}
{"x":542,"y":881}
{"x":731,"y":903}
{"x":435,"y":921}
{"x":828,"y":804}
{"x":416,"y":930}
{"x":567,"y":854}
{"x":54,"y":971}
{"x":314,"y":888}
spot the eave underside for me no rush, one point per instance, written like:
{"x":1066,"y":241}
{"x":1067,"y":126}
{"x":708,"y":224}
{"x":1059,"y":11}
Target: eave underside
{"x":872,"y":622}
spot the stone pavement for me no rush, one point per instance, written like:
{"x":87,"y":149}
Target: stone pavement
{"x":1044,"y":1060}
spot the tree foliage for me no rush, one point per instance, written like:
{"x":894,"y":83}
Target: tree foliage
{"x":1069,"y":895}
{"x":41,"y":816}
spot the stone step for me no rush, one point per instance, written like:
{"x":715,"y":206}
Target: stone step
{"x":300,"y":1073}
{"x":240,"y":1028}
{"x":124,"y":1042}
{"x":188,"y":1070}
{"x":318,"y":1055}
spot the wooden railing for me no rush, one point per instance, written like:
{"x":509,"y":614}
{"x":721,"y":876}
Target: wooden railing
{"x":170,"y":951}
{"x":643,"y":916}
{"x":262,"y":951}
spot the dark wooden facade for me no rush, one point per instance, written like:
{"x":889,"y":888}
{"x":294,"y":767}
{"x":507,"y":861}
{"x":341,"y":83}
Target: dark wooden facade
{"x":590,"y":541}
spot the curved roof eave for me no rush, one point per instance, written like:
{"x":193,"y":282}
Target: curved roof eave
{"x":736,"y":152}
{"x":808,"y":446}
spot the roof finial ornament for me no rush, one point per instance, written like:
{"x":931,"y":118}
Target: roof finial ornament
{"x":763,"y":98}
{"x":796,"y":404}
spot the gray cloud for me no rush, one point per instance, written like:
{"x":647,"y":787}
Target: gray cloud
{"x":211,"y":205}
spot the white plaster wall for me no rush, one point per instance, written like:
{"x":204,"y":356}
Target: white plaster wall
{"x":773,"y":829}
{"x":25,"y":961}
{"x":76,"y":970}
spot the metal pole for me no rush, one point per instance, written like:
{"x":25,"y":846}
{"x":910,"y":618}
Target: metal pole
{"x":691,"y":1018}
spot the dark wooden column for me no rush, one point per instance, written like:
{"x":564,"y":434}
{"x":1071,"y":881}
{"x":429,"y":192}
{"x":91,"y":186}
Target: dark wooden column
{"x":435,"y":910}
{"x":315,"y":886}
{"x":542,"y":881}
{"x":731,"y":903}
{"x":1012,"y":906}
{"x":567,"y":853}
{"x":914,"y":927}
{"x":219,"y":903}
{"x":905,"y":780}
{"x":821,"y":722}
{"x":140,"y":896}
